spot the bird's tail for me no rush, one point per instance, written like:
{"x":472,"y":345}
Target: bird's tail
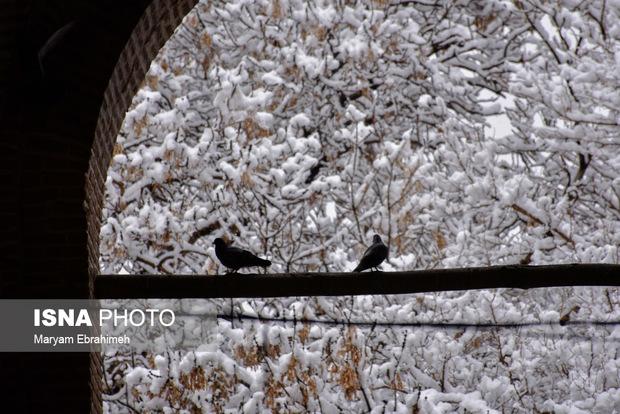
{"x":248,"y":259}
{"x":358,"y":268}
{"x":264,"y":263}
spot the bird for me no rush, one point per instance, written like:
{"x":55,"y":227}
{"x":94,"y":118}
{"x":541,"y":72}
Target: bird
{"x":235,"y":258}
{"x":374,"y":255}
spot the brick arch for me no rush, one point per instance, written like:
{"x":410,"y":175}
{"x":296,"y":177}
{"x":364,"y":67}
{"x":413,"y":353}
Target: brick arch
{"x":149,"y":36}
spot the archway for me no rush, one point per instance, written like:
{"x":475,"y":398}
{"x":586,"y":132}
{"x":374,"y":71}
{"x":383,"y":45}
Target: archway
{"x":46,"y":158}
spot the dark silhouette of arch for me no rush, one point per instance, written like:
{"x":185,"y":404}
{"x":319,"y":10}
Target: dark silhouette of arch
{"x":68,"y":72}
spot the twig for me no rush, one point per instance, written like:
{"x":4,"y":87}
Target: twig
{"x":538,"y":221}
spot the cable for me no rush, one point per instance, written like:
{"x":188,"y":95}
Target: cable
{"x":435,"y":325}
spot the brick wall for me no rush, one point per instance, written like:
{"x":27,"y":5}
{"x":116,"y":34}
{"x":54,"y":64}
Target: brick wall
{"x":54,"y":101}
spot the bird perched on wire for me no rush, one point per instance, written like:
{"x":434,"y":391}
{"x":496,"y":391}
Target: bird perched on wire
{"x":235,"y":258}
{"x":374,"y":255}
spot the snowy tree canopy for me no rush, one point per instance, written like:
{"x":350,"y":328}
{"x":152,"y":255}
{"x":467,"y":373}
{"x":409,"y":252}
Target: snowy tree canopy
{"x":298,"y":129}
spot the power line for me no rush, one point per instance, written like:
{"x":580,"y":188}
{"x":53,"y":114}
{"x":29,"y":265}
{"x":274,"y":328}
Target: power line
{"x":413,"y":324}
{"x":554,"y":334}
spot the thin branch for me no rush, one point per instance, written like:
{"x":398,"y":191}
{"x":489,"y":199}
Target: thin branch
{"x":538,"y":221}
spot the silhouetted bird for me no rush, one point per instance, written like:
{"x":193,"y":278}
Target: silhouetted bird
{"x":235,"y":258}
{"x":374,"y":255}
